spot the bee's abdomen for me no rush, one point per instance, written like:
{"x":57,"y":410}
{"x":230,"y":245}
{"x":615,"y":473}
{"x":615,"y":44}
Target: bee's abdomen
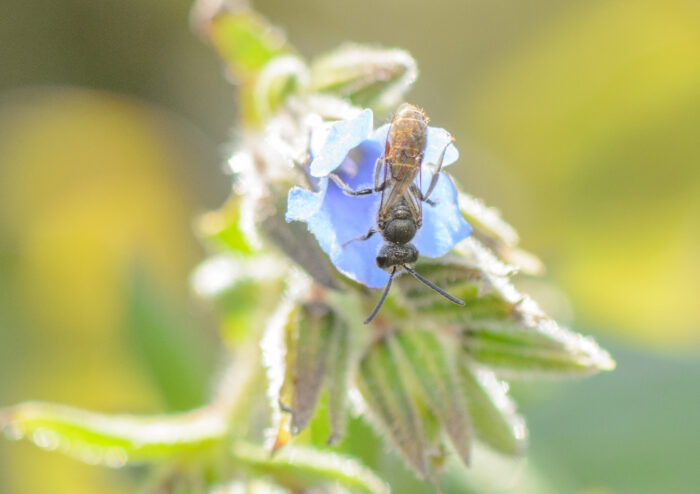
{"x":407,"y":139}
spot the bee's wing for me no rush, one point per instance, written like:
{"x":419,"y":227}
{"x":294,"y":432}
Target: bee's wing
{"x":386,"y":191}
{"x":392,"y":194}
{"x":401,"y":187}
{"x":413,"y":196}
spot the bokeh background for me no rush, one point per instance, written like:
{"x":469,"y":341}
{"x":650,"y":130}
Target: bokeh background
{"x":580,"y":120}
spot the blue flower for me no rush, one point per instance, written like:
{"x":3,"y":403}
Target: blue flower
{"x":350,"y":149}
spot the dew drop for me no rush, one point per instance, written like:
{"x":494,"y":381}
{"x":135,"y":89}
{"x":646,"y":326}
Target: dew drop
{"x":92,"y":455}
{"x":45,"y":439}
{"x":520,"y":431}
{"x":13,"y":431}
{"x":115,"y":457}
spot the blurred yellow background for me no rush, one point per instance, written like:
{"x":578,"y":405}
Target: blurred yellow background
{"x":580,"y":120}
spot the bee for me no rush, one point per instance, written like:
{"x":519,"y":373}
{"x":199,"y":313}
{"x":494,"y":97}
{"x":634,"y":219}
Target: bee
{"x":400,"y":213}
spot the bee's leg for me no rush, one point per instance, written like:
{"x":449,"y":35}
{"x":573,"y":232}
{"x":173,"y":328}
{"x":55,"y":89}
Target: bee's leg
{"x":419,"y":195}
{"x":377,"y":169}
{"x":347,"y":190}
{"x":366,"y":236}
{"x":436,"y":175}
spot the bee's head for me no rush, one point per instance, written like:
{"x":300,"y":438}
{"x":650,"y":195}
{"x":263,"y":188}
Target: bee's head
{"x":391,"y":255}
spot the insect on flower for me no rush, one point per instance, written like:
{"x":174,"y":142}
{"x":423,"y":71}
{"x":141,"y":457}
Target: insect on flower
{"x":400,"y":213}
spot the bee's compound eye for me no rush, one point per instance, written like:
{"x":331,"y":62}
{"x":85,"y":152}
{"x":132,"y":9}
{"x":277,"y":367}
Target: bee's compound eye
{"x":381,"y":261}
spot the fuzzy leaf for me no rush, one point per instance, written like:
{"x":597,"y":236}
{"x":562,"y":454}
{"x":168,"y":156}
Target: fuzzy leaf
{"x":494,"y":232}
{"x":314,"y":335}
{"x":368,"y":77}
{"x":435,"y":450}
{"x":540,"y":348}
{"x":385,"y":392}
{"x":491,"y":410}
{"x":245,"y":40}
{"x":338,"y":372}
{"x":281,"y":77}
{"x":501,"y":327}
{"x":432,"y":367}
{"x":300,"y":468}
{"x":112,"y":440}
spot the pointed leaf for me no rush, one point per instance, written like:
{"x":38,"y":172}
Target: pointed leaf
{"x":368,"y":77}
{"x":314,"y":334}
{"x":491,"y":410}
{"x":281,"y":77}
{"x":494,"y":232}
{"x":392,"y":407}
{"x":300,"y":468}
{"x":112,"y":440}
{"x":245,"y":40}
{"x":291,"y":335}
{"x":435,"y":450}
{"x":501,"y":327}
{"x":533,"y":347}
{"x":433,"y":369}
{"x":338,"y":374}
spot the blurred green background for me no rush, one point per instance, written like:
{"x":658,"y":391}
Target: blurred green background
{"x":580,"y":120}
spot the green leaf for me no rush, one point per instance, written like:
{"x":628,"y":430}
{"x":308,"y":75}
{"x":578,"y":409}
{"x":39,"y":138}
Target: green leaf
{"x":314,"y":334}
{"x":491,"y":410}
{"x":368,"y":77}
{"x":300,"y":468}
{"x":222,"y":228}
{"x":435,"y":450}
{"x":434,"y":372}
{"x":112,"y":440}
{"x":280,"y":78}
{"x":338,"y":375}
{"x":245,"y":40}
{"x":536,"y":346}
{"x":500,"y":327}
{"x":385,"y":393}
{"x":495,"y":233}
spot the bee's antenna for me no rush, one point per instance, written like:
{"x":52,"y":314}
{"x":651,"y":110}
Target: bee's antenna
{"x":382,"y":298}
{"x":433,"y":286}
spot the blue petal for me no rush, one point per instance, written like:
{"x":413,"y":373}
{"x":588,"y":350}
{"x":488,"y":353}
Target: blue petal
{"x":352,"y":217}
{"x":302,"y":204}
{"x":342,"y":136}
{"x":443,"y":224}
{"x":334,"y":218}
{"x":437,"y":140}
